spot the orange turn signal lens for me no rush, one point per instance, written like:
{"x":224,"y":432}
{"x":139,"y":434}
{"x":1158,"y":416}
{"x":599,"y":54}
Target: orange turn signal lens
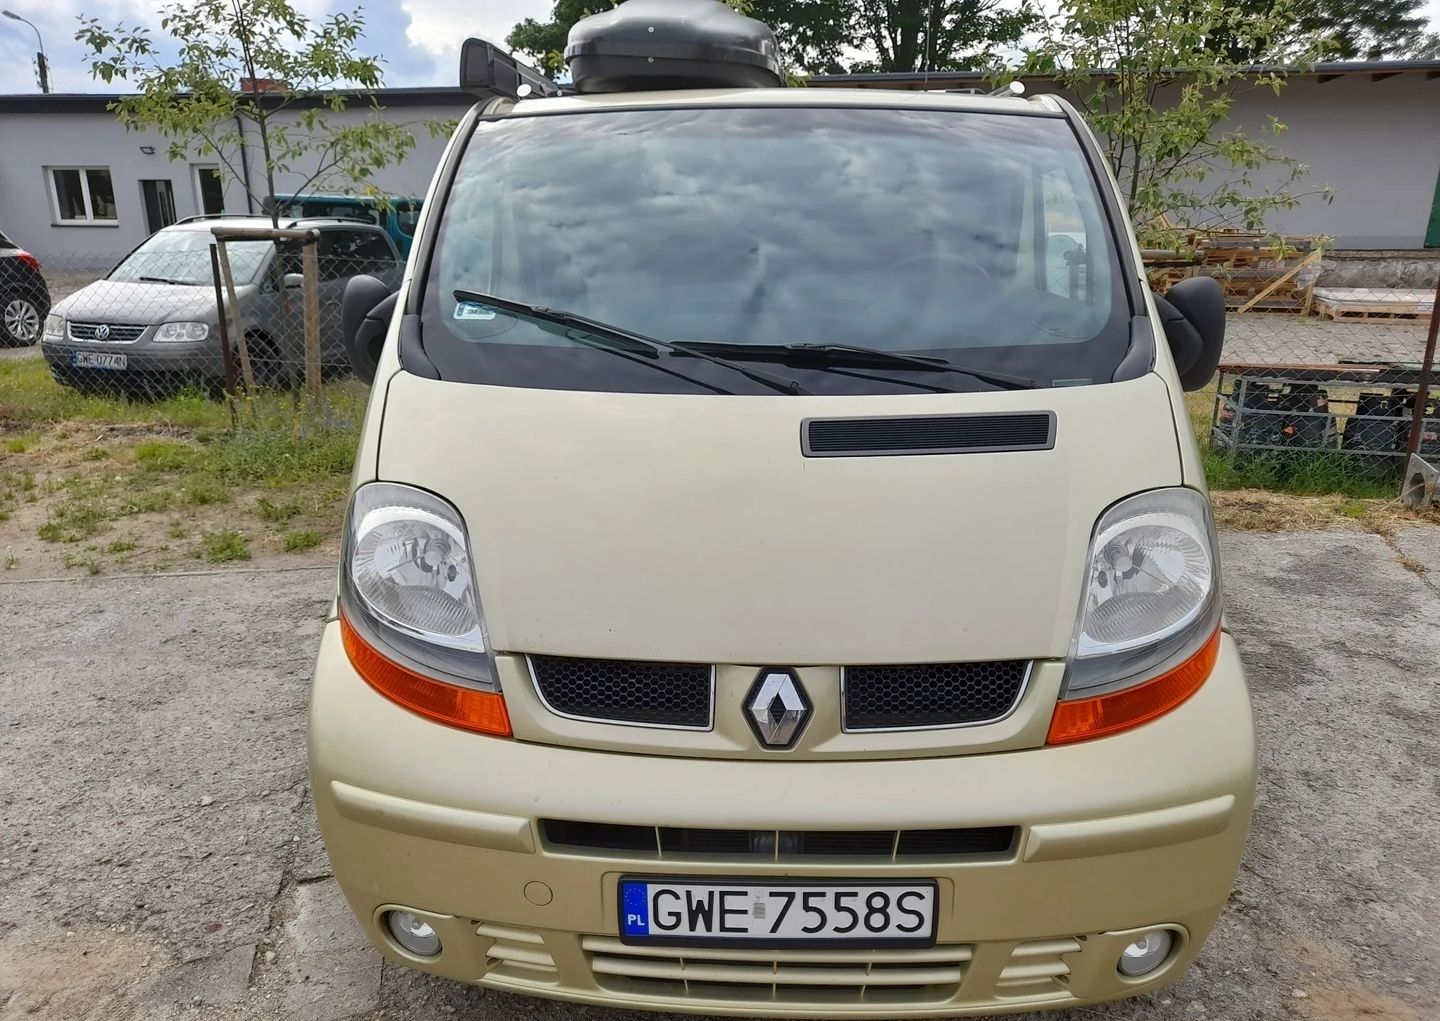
{"x":1120,"y":710}
{"x":481,"y":711}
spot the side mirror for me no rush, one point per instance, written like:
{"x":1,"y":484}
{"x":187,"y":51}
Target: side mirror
{"x":1193,"y":315}
{"x":295,"y":280}
{"x":365,"y":311}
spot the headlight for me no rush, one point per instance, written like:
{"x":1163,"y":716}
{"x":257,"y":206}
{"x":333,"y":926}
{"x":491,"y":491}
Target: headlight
{"x":408,"y":586}
{"x":54,"y":327}
{"x":1149,"y":613}
{"x":174,"y":333}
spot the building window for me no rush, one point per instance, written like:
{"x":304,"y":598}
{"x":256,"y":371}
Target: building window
{"x":209,"y":190}
{"x":82,"y":195}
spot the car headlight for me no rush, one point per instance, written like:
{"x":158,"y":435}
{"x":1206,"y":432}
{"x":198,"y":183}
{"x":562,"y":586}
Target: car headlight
{"x":54,"y":327}
{"x":173,"y":333}
{"x":410,"y":619}
{"x":1147,"y":633}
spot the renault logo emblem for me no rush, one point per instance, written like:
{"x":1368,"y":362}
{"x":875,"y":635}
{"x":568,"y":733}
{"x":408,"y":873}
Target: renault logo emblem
{"x":777,"y":708}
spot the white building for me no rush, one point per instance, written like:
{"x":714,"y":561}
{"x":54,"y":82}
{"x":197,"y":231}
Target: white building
{"x":76,"y":186}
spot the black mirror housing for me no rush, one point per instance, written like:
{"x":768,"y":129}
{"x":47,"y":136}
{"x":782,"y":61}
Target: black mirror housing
{"x":1192,"y":314}
{"x":365,"y":311}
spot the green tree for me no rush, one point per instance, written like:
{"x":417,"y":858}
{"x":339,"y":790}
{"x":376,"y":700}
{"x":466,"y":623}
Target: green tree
{"x":195,"y":97}
{"x":937,"y":35}
{"x":1367,"y":29}
{"x":1160,"y":100}
{"x":816,"y":35}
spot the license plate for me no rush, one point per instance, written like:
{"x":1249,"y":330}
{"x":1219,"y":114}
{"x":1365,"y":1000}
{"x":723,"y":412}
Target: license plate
{"x":717,"y":912}
{"x":98,"y":360}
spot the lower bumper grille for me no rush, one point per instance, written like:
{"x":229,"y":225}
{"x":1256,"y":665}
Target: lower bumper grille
{"x":677,"y":842}
{"x":829,"y":976}
{"x":517,"y":955}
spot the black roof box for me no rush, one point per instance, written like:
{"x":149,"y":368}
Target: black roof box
{"x":671,"y":44}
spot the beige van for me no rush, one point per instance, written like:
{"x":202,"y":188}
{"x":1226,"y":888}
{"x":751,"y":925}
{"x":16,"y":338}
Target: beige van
{"x":779,"y":579}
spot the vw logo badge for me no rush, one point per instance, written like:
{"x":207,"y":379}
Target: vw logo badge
{"x":102,"y":332}
{"x":777,"y":708}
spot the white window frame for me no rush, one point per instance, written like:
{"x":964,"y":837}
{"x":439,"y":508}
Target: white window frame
{"x":195,"y":169}
{"x":90,"y":219}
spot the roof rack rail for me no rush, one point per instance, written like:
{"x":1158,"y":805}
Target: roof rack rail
{"x":198,"y":217}
{"x":331,"y":219}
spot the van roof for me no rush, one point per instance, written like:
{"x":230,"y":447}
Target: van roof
{"x":1038,"y":105}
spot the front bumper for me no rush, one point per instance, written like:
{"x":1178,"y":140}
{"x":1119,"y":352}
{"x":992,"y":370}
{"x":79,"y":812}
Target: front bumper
{"x":1117,"y":835}
{"x":201,"y":359}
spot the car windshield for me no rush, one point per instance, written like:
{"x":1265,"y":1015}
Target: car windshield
{"x":183,"y":257}
{"x":978,"y":238}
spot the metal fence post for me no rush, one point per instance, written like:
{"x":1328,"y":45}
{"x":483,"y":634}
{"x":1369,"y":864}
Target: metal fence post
{"x":310,"y":255}
{"x":1427,"y":366}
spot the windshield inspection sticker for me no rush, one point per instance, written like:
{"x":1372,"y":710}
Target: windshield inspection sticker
{"x":473,"y":311}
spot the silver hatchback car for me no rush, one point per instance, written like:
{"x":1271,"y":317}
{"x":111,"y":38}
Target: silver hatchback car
{"x":152,"y":324}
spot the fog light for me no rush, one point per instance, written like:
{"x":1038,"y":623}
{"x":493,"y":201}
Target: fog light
{"x":414,"y":934}
{"x":1147,"y":953}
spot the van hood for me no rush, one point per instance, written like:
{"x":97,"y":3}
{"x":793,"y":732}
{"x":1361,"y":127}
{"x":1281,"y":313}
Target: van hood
{"x":115,"y":301}
{"x":692,"y":528}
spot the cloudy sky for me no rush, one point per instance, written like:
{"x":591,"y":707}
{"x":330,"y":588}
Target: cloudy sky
{"x":418,"y":38}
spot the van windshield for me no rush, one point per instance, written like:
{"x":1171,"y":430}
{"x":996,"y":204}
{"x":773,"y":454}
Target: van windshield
{"x":978,"y":238}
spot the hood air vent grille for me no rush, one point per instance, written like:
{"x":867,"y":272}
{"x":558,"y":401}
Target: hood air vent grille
{"x":927,"y":434}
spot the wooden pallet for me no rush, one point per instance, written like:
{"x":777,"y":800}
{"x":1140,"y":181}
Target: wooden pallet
{"x":1374,"y":304}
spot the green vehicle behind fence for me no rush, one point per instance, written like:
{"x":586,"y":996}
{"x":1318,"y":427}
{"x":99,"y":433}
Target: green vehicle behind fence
{"x":396,"y":214}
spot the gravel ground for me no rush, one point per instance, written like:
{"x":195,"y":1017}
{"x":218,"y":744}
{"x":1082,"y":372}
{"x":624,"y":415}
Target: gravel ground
{"x":158,"y":857}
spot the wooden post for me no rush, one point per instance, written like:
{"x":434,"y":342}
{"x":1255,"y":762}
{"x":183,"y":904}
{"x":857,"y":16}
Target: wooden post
{"x":227,"y":358}
{"x":312,"y":317}
{"x":233,"y":301}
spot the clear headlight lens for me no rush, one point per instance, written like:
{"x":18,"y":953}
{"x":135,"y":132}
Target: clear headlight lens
{"x":1151,"y":590}
{"x":407,"y":578}
{"x":54,"y":327}
{"x":172,"y":333}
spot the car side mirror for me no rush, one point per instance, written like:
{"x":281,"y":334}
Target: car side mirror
{"x":365,"y":310}
{"x":1193,"y":316}
{"x":294,"y":280}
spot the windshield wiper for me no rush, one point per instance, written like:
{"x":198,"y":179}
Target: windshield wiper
{"x":158,"y":280}
{"x":620,"y":335}
{"x":855,"y":355}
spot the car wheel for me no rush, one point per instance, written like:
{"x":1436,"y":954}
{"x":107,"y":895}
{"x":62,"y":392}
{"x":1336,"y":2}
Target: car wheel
{"x":20,"y":320}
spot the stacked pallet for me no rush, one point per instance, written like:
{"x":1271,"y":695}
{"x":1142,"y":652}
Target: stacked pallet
{"x":1258,"y":271}
{"x":1374,"y":303}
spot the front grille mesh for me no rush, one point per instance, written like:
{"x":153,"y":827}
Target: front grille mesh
{"x":117,"y":333}
{"x":625,"y":691}
{"x":931,"y":694}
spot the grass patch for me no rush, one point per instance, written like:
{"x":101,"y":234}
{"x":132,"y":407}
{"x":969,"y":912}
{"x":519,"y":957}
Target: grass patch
{"x":203,"y":491}
{"x":175,"y":529}
{"x":296,"y":541}
{"x":91,"y":565}
{"x":20,"y":444}
{"x":224,"y":546}
{"x":274,"y":512}
{"x":120,"y":546}
{"x":1306,"y":473}
{"x":164,"y":455}
{"x":29,"y":394}
{"x":74,"y":521}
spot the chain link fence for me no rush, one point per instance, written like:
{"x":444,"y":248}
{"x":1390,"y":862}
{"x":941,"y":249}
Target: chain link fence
{"x":164,"y":321}
{"x":1325,"y":354}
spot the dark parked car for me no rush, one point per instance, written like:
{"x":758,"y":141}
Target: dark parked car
{"x":24,"y":298}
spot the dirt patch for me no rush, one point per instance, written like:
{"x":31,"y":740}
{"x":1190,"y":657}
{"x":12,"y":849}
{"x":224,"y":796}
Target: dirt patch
{"x":125,"y":498}
{"x":1259,"y":510}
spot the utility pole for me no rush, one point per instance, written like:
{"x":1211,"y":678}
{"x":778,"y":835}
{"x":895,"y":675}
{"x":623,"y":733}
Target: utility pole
{"x":42,"y":64}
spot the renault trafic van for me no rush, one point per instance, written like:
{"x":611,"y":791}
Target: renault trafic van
{"x":779,"y":579}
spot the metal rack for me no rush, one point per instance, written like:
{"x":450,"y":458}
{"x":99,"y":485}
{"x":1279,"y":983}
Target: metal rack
{"x":1363,"y":410}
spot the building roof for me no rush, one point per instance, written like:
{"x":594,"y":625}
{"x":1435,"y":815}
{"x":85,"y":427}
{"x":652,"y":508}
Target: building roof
{"x":449,"y":95}
{"x":1377,"y":70}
